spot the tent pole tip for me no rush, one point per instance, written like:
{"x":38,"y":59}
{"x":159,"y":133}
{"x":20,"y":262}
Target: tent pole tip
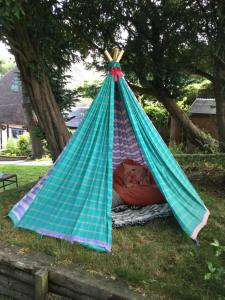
{"x":108,"y":56}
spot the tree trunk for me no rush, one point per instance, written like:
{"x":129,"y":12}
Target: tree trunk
{"x":175,"y":132}
{"x":219,"y":92}
{"x":194,"y":134}
{"x":37,"y":148}
{"x":47,"y":111}
{"x":38,"y":88}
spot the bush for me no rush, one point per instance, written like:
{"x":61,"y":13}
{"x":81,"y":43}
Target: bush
{"x":157,"y":113}
{"x":24,"y":145}
{"x":203,"y":88}
{"x":159,"y":116}
{"x":177,"y":148}
{"x":11,"y":148}
{"x":216,"y":272}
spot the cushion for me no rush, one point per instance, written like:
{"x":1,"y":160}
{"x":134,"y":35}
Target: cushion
{"x":135,"y":184}
{"x":133,"y":175}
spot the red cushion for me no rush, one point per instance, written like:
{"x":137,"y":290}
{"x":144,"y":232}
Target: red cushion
{"x":133,"y":175}
{"x":136,"y":194}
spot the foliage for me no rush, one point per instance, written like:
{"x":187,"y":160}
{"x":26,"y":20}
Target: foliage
{"x":88,"y":90}
{"x":24,"y":144}
{"x":5,"y":66}
{"x":155,"y":39}
{"x":177,"y":148}
{"x":52,"y":54}
{"x":21,"y":146}
{"x":65,"y":97}
{"x":158,"y":114}
{"x":213,"y":146}
{"x":166,"y":42}
{"x":38,"y":132}
{"x":216,"y":272}
{"x":201,"y":88}
{"x":11,"y":147}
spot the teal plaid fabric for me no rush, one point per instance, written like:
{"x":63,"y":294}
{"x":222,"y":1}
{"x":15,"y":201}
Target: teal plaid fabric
{"x":187,"y":206}
{"x":73,"y":201}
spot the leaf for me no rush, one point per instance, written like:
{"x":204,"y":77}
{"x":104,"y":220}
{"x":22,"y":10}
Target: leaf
{"x":211,"y":268}
{"x":207,"y":276}
{"x":215,"y":243}
{"x":219,"y":252}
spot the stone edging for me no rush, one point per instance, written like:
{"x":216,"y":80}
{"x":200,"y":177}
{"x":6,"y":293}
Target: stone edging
{"x":12,"y":158}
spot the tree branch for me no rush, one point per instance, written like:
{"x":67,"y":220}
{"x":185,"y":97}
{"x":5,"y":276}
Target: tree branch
{"x":142,"y":90}
{"x":204,"y":74}
{"x":220,"y":60}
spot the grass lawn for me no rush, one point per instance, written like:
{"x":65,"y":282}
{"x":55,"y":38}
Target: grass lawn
{"x":156,"y":259}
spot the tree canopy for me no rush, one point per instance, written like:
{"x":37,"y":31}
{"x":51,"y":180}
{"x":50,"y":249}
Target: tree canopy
{"x":166,"y":42}
{"x":5,"y":66}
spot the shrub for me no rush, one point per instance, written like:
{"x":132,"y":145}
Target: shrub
{"x":24,"y":145}
{"x":11,"y":147}
{"x":216,"y":272}
{"x":177,"y":148}
{"x":159,"y":116}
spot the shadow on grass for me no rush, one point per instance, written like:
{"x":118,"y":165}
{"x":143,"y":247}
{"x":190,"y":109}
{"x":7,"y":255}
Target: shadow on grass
{"x":13,"y":195}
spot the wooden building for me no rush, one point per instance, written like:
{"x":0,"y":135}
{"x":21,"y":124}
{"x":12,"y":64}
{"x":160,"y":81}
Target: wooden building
{"x":203,"y":114}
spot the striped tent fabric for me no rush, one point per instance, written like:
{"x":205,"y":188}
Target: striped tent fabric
{"x":125,"y":143}
{"x":73,"y":201}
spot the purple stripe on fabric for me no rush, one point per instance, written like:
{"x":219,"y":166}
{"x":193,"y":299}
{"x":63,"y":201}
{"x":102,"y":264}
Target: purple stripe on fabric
{"x":125,"y":142}
{"x":74,"y":238}
{"x":129,"y":145}
{"x":16,"y":215}
{"x":21,"y":207}
{"x":29,"y":199}
{"x":119,"y":155}
{"x":19,"y":211}
{"x":129,"y":135}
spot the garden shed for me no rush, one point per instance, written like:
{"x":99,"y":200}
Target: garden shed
{"x":202,"y":113}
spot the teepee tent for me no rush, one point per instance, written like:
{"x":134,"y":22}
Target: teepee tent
{"x":73,"y":201}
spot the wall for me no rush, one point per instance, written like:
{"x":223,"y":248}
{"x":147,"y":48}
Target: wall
{"x":202,"y":121}
{"x":3,"y":136}
{"x":9,"y":134}
{"x":206,"y":122}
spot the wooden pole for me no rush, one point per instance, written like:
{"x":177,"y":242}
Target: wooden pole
{"x":120,"y":56}
{"x":115,"y":53}
{"x":41,"y":284}
{"x":109,"y":57}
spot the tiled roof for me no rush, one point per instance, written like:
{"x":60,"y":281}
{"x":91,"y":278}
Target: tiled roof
{"x":203,"y":106}
{"x":76,"y":116}
{"x":11,"y":110}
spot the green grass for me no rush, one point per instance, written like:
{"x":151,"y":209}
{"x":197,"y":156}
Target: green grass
{"x":157,"y":259}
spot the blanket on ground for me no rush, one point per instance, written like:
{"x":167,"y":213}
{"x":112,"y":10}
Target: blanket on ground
{"x":132,"y":215}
